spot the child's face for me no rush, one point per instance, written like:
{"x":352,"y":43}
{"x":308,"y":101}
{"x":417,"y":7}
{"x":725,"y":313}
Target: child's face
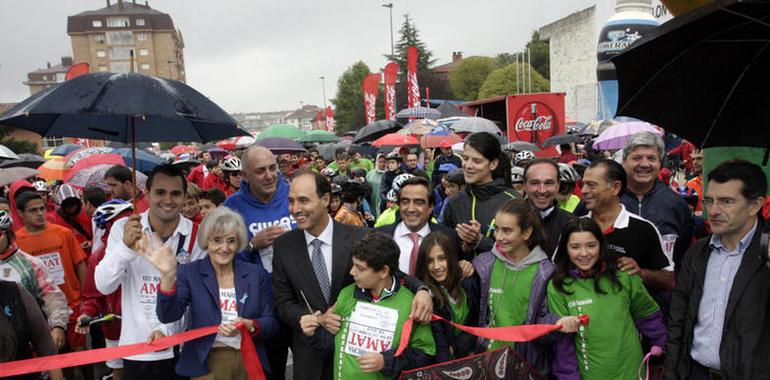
{"x":334,"y":204}
{"x":437,"y":264}
{"x":450,"y":188}
{"x":364,"y":276}
{"x":190,"y":208}
{"x":205,"y":206}
{"x":583,"y":250}
{"x":508,"y":234}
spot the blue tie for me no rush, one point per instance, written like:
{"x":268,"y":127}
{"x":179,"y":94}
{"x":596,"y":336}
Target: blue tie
{"x":319,"y":267}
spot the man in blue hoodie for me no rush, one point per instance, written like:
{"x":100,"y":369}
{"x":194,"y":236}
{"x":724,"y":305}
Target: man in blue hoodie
{"x":263,"y":201}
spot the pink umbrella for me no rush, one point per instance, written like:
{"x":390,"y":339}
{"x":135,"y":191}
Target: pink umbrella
{"x":615,"y":137}
{"x":395,"y":139}
{"x":96,"y":159}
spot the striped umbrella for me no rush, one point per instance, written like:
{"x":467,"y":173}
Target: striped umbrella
{"x":77,"y":155}
{"x":94,"y":176}
{"x":54,"y":169}
{"x":419,"y":113}
{"x":476,"y":124}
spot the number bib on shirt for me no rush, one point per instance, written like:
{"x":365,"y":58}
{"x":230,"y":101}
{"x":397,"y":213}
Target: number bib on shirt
{"x":53,"y":264}
{"x":371,"y":329}
{"x":229,"y":310}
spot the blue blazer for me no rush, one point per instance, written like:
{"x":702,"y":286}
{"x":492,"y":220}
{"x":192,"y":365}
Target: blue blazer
{"x":196,"y":287}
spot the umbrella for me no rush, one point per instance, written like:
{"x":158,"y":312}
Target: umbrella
{"x":145,"y":161}
{"x":419,"y":113}
{"x":419,"y":127}
{"x":93,"y":160}
{"x":458,"y":148}
{"x":77,"y":155}
{"x":447,"y":109}
{"x":8,"y":175}
{"x":181,"y":149}
{"x":319,"y":136}
{"x":476,"y":124}
{"x":94,"y":176}
{"x":63,"y":150}
{"x":217,"y":152}
{"x":395,"y":139}
{"x":244,"y":141}
{"x":615,"y":137}
{"x":228,"y":144}
{"x":27,"y":160}
{"x":439,"y":141}
{"x":576,"y":128}
{"x":286,"y":131}
{"x":279,"y":145}
{"x":561,"y":139}
{"x":373,"y":131}
{"x":518,"y":146}
{"x":327,"y":151}
{"x":54,"y":169}
{"x":703,"y":75}
{"x":7,"y":153}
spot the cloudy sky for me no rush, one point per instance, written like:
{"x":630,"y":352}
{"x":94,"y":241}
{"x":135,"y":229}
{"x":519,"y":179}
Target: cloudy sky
{"x":265,"y":55}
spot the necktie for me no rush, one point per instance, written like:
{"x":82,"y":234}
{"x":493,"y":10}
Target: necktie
{"x":319,"y":267}
{"x":415,"y":251}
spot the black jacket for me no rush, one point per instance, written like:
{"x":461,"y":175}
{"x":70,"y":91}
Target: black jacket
{"x":461,"y":344}
{"x":744,"y":352}
{"x":553,"y":224}
{"x":389,"y":229}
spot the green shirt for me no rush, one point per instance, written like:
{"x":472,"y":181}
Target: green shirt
{"x":346,"y":364}
{"x":508,"y":297}
{"x":609,"y":347}
{"x":459,"y":308}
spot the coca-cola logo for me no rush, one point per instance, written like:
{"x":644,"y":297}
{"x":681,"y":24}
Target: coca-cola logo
{"x":535,"y":122}
{"x":370,"y":101}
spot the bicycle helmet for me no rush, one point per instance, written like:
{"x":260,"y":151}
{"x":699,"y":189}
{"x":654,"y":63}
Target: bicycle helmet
{"x":41,"y":186}
{"x":329,"y":172}
{"x":399,"y":180}
{"x":517,"y":174}
{"x":392,"y":195}
{"x":5,"y":220}
{"x":232,"y":164}
{"x":568,"y":174}
{"x":393,"y":156}
{"x":523,"y":156}
{"x":110,"y":210}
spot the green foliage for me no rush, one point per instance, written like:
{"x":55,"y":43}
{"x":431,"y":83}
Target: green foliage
{"x":349,"y":112}
{"x":539,"y":55}
{"x":20,"y":146}
{"x":410,"y":36}
{"x":470,"y":75}
{"x":503,"y":82}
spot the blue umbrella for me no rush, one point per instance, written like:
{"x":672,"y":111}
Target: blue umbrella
{"x":440,"y":130}
{"x":63,"y":150}
{"x":145,"y":161}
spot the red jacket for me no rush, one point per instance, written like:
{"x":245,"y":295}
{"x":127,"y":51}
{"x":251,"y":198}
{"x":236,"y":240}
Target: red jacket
{"x":197,"y":176}
{"x":93,"y":303}
{"x":81,"y":219}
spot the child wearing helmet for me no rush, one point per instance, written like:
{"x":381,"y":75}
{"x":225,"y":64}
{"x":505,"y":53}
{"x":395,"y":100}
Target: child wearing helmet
{"x":568,"y":179}
{"x":231,"y":175}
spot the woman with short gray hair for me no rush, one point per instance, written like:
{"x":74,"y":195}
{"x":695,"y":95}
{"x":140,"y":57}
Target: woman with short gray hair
{"x":218,"y":291}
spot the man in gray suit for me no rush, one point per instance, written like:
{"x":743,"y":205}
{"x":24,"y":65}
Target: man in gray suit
{"x":311,"y":265}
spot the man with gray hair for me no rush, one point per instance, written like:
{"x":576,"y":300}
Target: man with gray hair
{"x":649,"y":198}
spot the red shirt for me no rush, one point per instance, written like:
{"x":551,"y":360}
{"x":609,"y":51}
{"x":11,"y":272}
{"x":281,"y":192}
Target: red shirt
{"x":197,"y":176}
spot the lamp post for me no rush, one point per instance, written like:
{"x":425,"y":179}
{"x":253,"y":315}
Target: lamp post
{"x":323,"y":87}
{"x":390,"y":9}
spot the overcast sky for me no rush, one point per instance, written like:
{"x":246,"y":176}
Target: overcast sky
{"x":266,"y":55}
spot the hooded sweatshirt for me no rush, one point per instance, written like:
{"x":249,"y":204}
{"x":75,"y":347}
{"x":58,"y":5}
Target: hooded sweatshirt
{"x":374,"y":179}
{"x":258,"y":216}
{"x":17,"y":185}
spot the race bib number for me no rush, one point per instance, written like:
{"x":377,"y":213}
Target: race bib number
{"x":148,"y":293}
{"x":229,"y":309}
{"x":53,"y":264}
{"x":371,"y":329}
{"x":669,"y":241}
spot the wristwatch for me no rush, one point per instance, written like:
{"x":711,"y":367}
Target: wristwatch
{"x":427,"y":289}
{"x":251,"y":247}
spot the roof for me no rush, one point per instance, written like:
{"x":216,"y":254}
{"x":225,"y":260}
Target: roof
{"x":306,"y":112}
{"x":485,"y":101}
{"x":154,"y":20}
{"x":448,"y":67}
{"x":129,"y":8}
{"x":52,"y":70}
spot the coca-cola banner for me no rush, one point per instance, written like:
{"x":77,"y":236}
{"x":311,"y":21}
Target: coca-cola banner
{"x":391,"y":75}
{"x":411,"y":71}
{"x":534,"y":118}
{"x":329,"y":119}
{"x":370,"y":85}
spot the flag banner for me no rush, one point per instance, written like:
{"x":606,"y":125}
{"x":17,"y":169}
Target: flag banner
{"x":391,"y":76}
{"x":500,"y":364}
{"x":370,"y":86}
{"x":411,"y":73}
{"x":329,"y":119}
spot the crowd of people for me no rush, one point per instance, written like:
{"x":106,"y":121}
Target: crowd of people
{"x":321,"y":262}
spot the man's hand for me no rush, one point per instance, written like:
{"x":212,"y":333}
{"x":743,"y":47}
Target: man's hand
{"x":57,"y":334}
{"x":155,"y":334}
{"x":132,"y":231}
{"x":85,"y":329}
{"x":467,"y":268}
{"x":330,"y":321}
{"x":422,"y":307}
{"x":469,"y":233}
{"x":627,"y":264}
{"x":266,"y":237}
{"x":310,"y":322}
{"x":158,"y":254}
{"x":371,"y":362}
{"x":569,"y":324}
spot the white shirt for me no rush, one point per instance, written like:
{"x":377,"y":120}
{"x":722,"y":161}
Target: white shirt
{"x":326,"y":248}
{"x":140,"y":281}
{"x":401,"y":236}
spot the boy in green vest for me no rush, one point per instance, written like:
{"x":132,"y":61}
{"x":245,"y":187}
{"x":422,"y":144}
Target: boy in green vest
{"x":373,"y":310}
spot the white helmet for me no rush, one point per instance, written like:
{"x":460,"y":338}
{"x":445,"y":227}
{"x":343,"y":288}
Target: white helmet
{"x":392,"y":195}
{"x":5,"y":220}
{"x":232,"y":164}
{"x":523,"y":156}
{"x":517,"y":174}
{"x":110,"y":210}
{"x":41,"y":186}
{"x":399,"y":180}
{"x":568,"y":174}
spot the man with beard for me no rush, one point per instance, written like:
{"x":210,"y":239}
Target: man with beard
{"x":121,"y":186}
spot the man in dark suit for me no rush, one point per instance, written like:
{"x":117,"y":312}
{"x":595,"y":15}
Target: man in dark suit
{"x":310,"y":267}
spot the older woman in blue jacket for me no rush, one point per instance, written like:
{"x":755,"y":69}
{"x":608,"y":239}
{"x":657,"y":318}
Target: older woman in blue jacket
{"x":217,"y":291}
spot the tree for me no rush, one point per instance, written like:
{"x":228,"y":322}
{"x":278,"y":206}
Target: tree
{"x":503,"y":81}
{"x":470,"y":75}
{"x":410,"y":36}
{"x":349,"y":112}
{"x":17,"y":146}
{"x":539,"y":55}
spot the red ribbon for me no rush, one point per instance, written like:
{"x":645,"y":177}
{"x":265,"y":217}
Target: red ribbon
{"x":74,"y":359}
{"x":523,"y":333}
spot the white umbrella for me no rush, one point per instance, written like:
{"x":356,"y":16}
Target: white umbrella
{"x":244,"y":141}
{"x":7,"y":153}
{"x":8,"y":175}
{"x":476,"y":124}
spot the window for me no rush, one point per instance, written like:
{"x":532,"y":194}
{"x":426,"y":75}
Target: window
{"x":60,"y":77}
{"x":99,"y":38}
{"x":103,"y":68}
{"x":140,"y":22}
{"x":117,"y":22}
{"x":119,"y":67}
{"x":118,"y":53}
{"x":143,"y":52}
{"x":101,"y":53}
{"x":145,"y":66}
{"x":96,"y":23}
{"x":141,"y":36}
{"x":52,"y":142}
{"x":123,"y":37}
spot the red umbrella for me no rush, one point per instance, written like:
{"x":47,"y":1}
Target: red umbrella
{"x":395,"y":139}
{"x":433,"y":141}
{"x":93,"y":160}
{"x":179,"y":149}
{"x":228,"y":144}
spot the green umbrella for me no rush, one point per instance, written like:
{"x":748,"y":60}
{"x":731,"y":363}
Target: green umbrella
{"x":286,"y":131}
{"x":319,"y":136}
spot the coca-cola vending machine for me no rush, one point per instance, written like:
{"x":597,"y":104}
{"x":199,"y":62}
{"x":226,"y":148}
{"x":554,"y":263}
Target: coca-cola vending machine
{"x":535,"y":118}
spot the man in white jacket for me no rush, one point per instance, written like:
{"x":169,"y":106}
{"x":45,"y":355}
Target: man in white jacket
{"x":122,"y":266}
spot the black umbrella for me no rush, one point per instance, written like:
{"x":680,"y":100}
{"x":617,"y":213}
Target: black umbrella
{"x":26,"y":160}
{"x":447,"y":109}
{"x":373,"y":131}
{"x":703,"y":75}
{"x":561,"y":139}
